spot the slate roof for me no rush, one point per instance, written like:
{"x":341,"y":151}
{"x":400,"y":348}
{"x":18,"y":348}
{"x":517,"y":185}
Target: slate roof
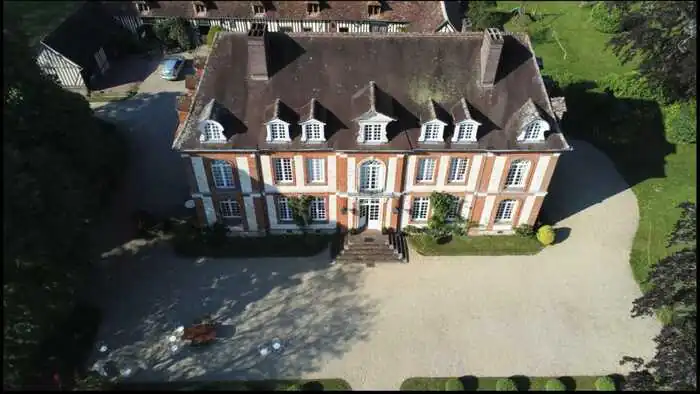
{"x":425,"y":16}
{"x":83,"y":33}
{"x":412,"y":71}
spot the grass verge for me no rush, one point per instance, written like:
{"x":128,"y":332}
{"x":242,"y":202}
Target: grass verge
{"x":483,"y":245}
{"x":523,"y":383}
{"x":274,"y":385}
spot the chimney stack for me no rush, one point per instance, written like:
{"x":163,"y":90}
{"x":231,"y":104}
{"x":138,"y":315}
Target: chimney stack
{"x":257,"y":51}
{"x":491,"y":49}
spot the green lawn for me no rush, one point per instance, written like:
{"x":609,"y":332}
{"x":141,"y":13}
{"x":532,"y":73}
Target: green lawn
{"x":472,"y":383}
{"x":661,"y":176}
{"x":483,"y":245}
{"x":275,"y":385}
{"x":38,"y":18}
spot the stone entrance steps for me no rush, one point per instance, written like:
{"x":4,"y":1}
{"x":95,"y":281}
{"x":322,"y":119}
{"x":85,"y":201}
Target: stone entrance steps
{"x":369,"y":247}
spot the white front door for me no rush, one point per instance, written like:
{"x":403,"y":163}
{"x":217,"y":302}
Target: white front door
{"x":370,"y":214}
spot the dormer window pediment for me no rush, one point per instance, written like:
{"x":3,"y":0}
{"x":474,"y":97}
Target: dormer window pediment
{"x":211,"y":132}
{"x":280,"y":118}
{"x":373,"y":109}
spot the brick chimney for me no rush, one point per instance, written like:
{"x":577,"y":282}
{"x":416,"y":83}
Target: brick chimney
{"x":257,"y":52}
{"x":491,"y":48}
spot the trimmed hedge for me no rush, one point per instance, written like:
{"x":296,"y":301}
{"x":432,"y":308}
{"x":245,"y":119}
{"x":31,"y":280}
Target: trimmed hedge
{"x":505,"y":384}
{"x":554,"y":385}
{"x":605,"y":383}
{"x":454,"y":384}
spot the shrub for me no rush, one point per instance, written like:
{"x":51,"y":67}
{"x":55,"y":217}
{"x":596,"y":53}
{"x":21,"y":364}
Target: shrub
{"x":212,"y":34}
{"x":454,"y":385}
{"x":605,"y":383}
{"x":545,"y":235}
{"x":294,"y":387}
{"x":633,"y":85}
{"x":216,"y":235}
{"x":412,"y":230}
{"x":506,"y":385}
{"x":525,"y":230}
{"x":680,"y":122}
{"x":605,"y":20}
{"x":554,"y":385}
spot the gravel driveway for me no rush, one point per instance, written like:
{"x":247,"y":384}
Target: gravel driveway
{"x":564,"y":311}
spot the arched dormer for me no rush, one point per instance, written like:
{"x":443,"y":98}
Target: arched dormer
{"x":211,"y":131}
{"x":534,"y":131}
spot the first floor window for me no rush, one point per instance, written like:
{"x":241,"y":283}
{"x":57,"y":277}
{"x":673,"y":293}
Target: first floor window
{"x":318,"y":209}
{"x":426,"y":170}
{"x":516,"y":173}
{"x":458,"y":169}
{"x":317,"y":171}
{"x":432,"y":132}
{"x":229,"y":209}
{"x":420,"y":208}
{"x":505,"y":211}
{"x":223,"y":174}
{"x":453,"y":213}
{"x":370,"y":173}
{"x":372,"y":132}
{"x":465,"y":132}
{"x":284,"y":209}
{"x":283,"y":170}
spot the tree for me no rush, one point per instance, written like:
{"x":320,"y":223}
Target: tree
{"x":175,"y":32}
{"x":673,"y":288}
{"x":661,"y":35}
{"x":59,"y":161}
{"x":480,"y":15}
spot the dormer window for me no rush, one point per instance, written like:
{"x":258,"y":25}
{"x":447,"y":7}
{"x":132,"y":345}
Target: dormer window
{"x":465,"y":132}
{"x":313,"y":7}
{"x":258,"y":9}
{"x":278,"y":131}
{"x":211,"y":131}
{"x":534,"y":131}
{"x":432,"y":131}
{"x":373,"y":108}
{"x":313,"y":132}
{"x":142,"y":6}
{"x":374,"y":9}
{"x":372,"y":133}
{"x":199,"y":7}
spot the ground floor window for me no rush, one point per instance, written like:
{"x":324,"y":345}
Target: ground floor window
{"x":318,"y":209}
{"x":420,"y":208}
{"x":284,"y":209}
{"x":229,"y":209}
{"x":505,"y":211}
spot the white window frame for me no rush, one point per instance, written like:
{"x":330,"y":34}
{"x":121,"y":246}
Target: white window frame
{"x":505,"y":211}
{"x":364,"y":184}
{"x":316,"y":166}
{"x":278,"y":131}
{"x":230,"y":209}
{"x":517,"y":174}
{"x":318,"y":211}
{"x":284,"y":210}
{"x":419,"y":209}
{"x":222,"y":173}
{"x":313,"y":8}
{"x":211,"y":132}
{"x":453,"y":213}
{"x":257,"y":8}
{"x":458,"y":169}
{"x":534,"y":131}
{"x":432,"y":132}
{"x":308,"y":131}
{"x":374,"y":9}
{"x":465,"y":132}
{"x":372,"y":130}
{"x":426,"y":167}
{"x":142,"y":6}
{"x":284,"y":169}
{"x":199,"y":8}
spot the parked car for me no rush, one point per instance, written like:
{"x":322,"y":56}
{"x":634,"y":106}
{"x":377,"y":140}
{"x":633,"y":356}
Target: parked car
{"x":171,"y":67}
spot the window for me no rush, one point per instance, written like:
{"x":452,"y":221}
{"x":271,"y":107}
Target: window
{"x":313,"y":132}
{"x":283,"y":170}
{"x":453,"y":213}
{"x":458,"y":169}
{"x":278,"y":132}
{"x":534,"y":132}
{"x":284,"y":210}
{"x":318,"y":209}
{"x":199,"y":7}
{"x":343,"y":29}
{"x":516,"y":173}
{"x":505,"y":211}
{"x":306,"y":29}
{"x":286,"y":29}
{"x":313,"y":8}
{"x":223,"y":174}
{"x":317,"y":171}
{"x":258,"y":9}
{"x":426,"y":169}
{"x":213,"y":132}
{"x":229,"y":209}
{"x":372,"y":132}
{"x":142,"y":6}
{"x":374,"y":9}
{"x":432,"y":132}
{"x":420,"y":208}
{"x":465,"y":132}
{"x":370,"y":173}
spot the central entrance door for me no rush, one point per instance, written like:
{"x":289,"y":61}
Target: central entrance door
{"x":370,"y":216}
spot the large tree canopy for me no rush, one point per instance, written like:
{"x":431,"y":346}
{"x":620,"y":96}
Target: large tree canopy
{"x":59,"y":164}
{"x":673,"y":283}
{"x":661,"y":35}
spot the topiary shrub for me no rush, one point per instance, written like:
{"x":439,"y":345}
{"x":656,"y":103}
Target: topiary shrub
{"x":212,"y":34}
{"x":554,"y":385}
{"x":605,"y":383}
{"x":680,"y":122}
{"x":545,"y":235}
{"x":506,"y":385}
{"x":605,"y":20}
{"x":525,"y":231}
{"x":454,"y":385}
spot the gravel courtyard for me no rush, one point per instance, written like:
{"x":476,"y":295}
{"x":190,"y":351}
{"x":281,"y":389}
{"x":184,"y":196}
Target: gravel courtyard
{"x":564,"y":311}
